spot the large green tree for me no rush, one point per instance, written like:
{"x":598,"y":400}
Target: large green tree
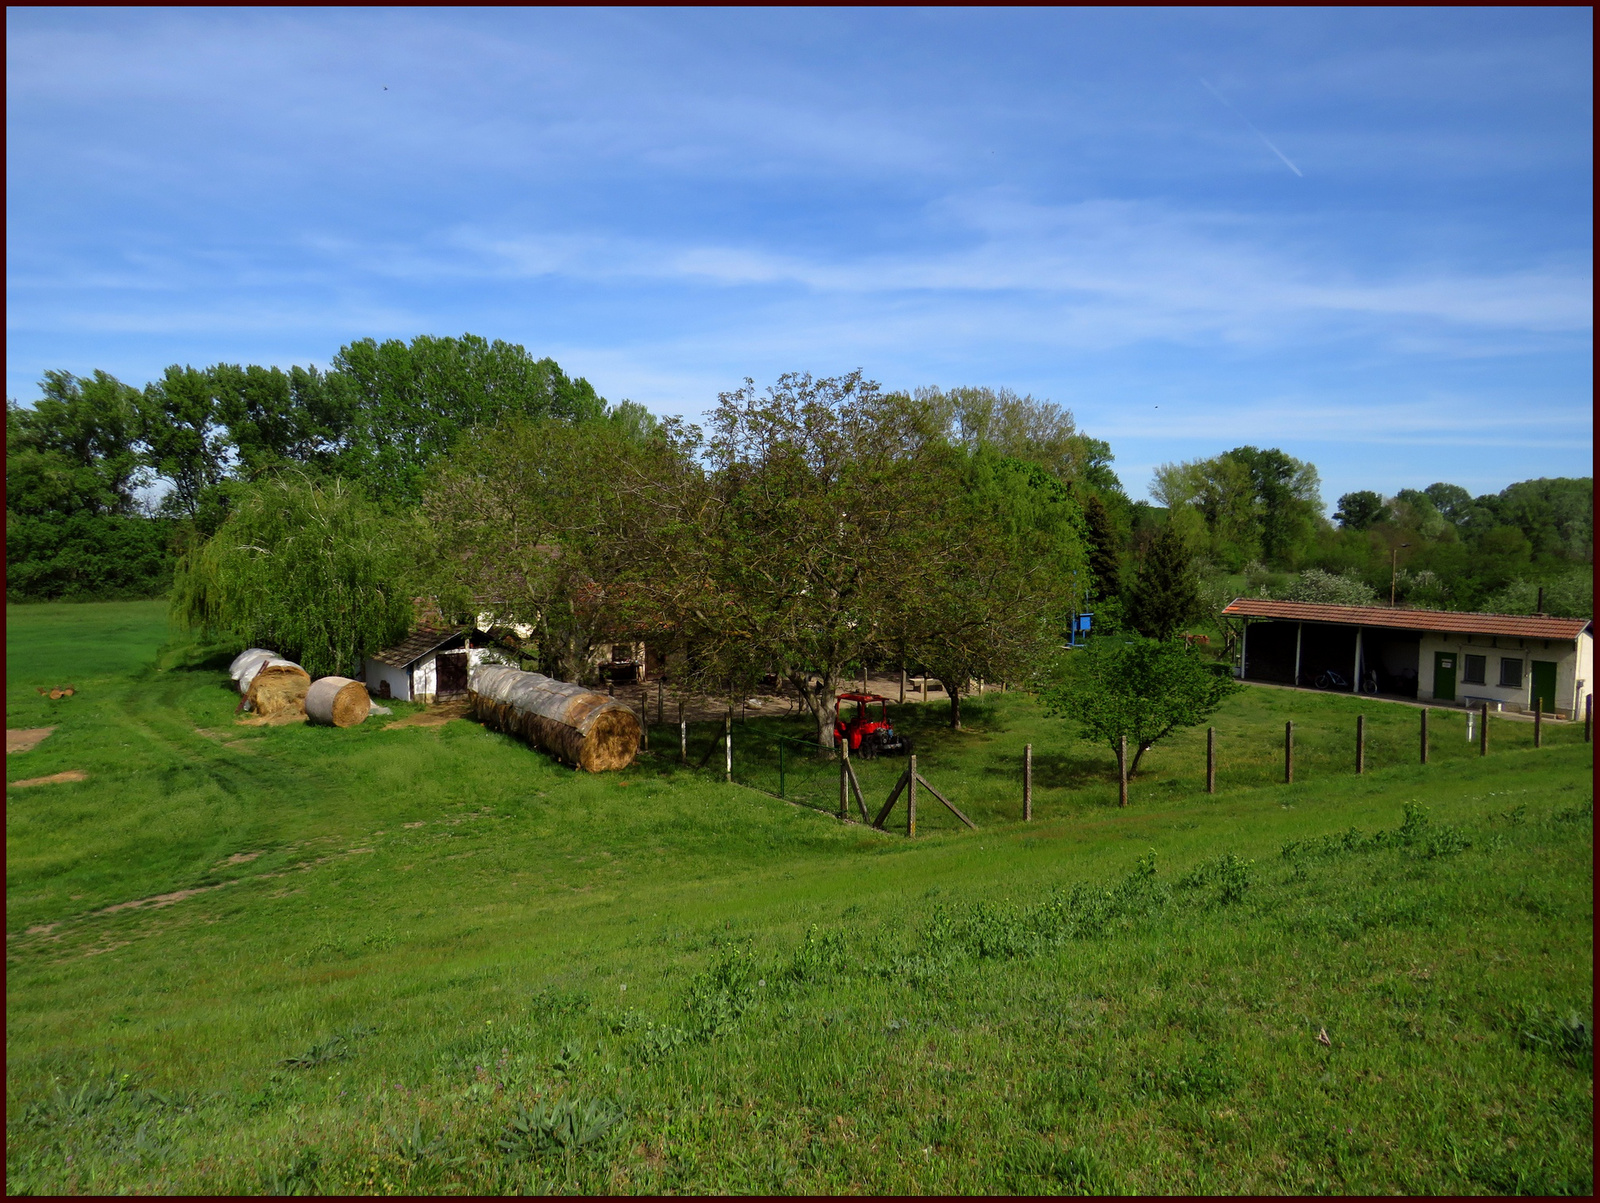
{"x":820,"y":487}
{"x":1001,"y":568}
{"x":409,"y":402}
{"x":590,"y":532}
{"x":73,"y":466}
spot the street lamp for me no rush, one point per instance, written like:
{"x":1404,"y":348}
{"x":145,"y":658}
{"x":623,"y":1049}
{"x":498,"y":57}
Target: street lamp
{"x":1394,"y":552}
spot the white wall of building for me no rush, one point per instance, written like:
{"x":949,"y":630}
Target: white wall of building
{"x":1574,"y":662}
{"x":399,"y":680}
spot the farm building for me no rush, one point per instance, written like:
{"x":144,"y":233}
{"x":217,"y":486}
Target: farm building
{"x":430,"y":665}
{"x":1508,"y":661}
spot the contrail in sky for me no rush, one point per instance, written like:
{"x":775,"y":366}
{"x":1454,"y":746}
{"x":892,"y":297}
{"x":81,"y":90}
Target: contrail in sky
{"x":1257,"y":132}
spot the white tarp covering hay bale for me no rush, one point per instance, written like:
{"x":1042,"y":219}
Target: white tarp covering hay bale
{"x":337,"y":702}
{"x":580,"y":726}
{"x":278,"y":687}
{"x":247,"y":663}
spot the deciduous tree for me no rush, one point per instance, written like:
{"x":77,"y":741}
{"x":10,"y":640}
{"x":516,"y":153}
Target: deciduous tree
{"x":1143,"y":689}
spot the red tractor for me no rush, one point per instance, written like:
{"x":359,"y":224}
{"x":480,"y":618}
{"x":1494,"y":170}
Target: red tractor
{"x":868,"y":735}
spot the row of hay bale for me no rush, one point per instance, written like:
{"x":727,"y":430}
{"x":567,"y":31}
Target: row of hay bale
{"x":272,"y":686}
{"x":583,"y":728}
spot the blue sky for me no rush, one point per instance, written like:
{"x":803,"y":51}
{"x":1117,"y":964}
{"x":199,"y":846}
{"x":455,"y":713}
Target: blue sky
{"x":1363,"y":236}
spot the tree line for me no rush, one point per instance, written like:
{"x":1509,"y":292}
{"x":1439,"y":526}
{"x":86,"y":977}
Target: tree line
{"x":810,"y":527}
{"x":1252,"y":521}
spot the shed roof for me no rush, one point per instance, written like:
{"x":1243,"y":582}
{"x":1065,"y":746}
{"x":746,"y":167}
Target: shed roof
{"x":1448,"y":621}
{"x":417,"y":645}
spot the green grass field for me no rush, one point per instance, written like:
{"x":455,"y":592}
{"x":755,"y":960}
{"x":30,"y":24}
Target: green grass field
{"x":429,"y":959}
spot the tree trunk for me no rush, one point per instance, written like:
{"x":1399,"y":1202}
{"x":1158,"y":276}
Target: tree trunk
{"x":817,"y":696}
{"x":1139,"y":755}
{"x":954,"y":693}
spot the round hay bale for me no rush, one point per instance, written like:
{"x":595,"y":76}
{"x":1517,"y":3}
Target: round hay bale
{"x":246,"y":664}
{"x":583,"y":728}
{"x":278,"y":687}
{"x":338,"y":702}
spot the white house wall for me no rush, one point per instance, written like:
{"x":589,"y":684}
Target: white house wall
{"x":1573,"y":661}
{"x":399,"y":680}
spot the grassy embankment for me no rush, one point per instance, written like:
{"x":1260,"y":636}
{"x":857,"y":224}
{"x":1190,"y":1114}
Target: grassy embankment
{"x":429,"y":959}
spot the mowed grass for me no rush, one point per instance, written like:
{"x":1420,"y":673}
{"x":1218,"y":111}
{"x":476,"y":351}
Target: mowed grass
{"x":429,"y":959}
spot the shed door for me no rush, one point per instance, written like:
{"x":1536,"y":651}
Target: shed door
{"x":1544,"y":683}
{"x":452,"y":667}
{"x":1444,"y":676}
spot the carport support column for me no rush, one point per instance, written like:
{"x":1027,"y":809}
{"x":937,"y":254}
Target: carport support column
{"x":1299,"y":630}
{"x":1355,"y":673}
{"x":1244,"y":648}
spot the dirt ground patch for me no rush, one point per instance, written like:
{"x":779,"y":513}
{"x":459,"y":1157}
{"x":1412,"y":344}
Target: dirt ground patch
{"x":53,"y":779}
{"x":433,"y":716}
{"x":161,"y":900}
{"x":25,"y":739}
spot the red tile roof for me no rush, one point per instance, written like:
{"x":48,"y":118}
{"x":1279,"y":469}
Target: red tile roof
{"x":1521,"y":626}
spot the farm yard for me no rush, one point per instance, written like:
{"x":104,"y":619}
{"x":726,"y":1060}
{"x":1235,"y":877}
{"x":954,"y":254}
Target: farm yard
{"x":419,"y":955}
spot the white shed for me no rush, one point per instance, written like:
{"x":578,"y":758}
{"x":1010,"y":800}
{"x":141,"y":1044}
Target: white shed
{"x":430,"y":665}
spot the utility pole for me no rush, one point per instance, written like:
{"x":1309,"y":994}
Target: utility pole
{"x":1394,"y":554}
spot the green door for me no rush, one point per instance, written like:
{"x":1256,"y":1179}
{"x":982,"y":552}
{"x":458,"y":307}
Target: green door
{"x":1544,"y":684}
{"x":1444,"y":676}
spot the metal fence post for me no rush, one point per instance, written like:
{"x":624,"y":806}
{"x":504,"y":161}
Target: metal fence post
{"x":1361,"y":744}
{"x":1538,"y":722}
{"x":844,"y":780}
{"x":1211,"y":760}
{"x":1288,"y":753}
{"x":1483,"y":731}
{"x":683,"y":734}
{"x":1424,"y":735}
{"x":727,"y":735}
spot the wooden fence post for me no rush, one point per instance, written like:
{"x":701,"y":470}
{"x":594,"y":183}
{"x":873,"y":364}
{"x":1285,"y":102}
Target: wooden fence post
{"x":1361,"y":744}
{"x":1122,"y":770}
{"x":1211,"y":760}
{"x":1288,"y":753}
{"x":1483,"y":731}
{"x":924,"y":685}
{"x":1424,"y":735}
{"x":844,"y":780}
{"x":644,"y":722}
{"x":1588,"y":714}
{"x":902,"y":684}
{"x":1027,"y":782}
{"x":911,"y":800}
{"x":1538,"y":722}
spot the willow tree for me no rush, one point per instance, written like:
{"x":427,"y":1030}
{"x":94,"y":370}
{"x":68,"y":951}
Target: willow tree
{"x":312,"y":571}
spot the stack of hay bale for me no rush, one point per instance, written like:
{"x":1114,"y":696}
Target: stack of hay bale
{"x":271,"y":685}
{"x":583,"y":728}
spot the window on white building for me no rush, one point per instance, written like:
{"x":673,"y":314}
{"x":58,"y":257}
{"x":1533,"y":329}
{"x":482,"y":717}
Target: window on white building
{"x":1472,"y":669}
{"x":1510,"y":671}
